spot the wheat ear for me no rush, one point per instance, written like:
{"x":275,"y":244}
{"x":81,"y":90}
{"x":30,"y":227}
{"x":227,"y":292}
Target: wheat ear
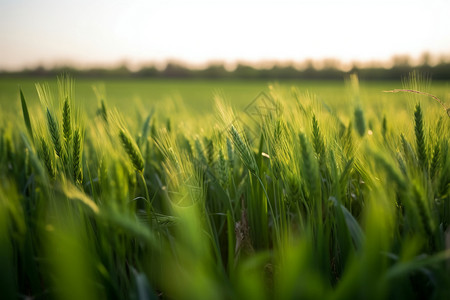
{"x":77,"y":156}
{"x":67,"y":126}
{"x":54,"y":133}
{"x":420,"y":136}
{"x":244,"y":151}
{"x":133,"y":152}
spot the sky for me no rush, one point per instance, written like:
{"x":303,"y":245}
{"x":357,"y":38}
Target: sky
{"x":107,"y":32}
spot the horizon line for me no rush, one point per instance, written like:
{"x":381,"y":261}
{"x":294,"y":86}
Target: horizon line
{"x":425,"y":58}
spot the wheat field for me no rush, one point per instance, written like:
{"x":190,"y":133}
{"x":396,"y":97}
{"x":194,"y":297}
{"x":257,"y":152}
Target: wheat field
{"x":288,"y":196}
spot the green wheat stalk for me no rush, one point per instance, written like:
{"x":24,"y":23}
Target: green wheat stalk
{"x":424,"y":214}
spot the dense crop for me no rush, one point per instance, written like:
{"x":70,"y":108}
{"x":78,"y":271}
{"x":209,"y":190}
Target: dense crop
{"x":289,"y":200}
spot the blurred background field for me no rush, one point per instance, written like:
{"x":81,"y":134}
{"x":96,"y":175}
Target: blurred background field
{"x":197,"y":96}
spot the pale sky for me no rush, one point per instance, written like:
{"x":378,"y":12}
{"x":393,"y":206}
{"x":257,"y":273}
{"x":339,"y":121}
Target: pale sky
{"x":97,"y":32}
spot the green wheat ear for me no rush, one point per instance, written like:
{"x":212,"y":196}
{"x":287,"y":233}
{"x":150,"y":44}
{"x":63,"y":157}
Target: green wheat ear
{"x":47,"y":159}
{"x":318,"y":144}
{"x":200,"y":154}
{"x":244,"y":151}
{"x":67,"y":126}
{"x":54,"y":133}
{"x":132,"y":150}
{"x":420,"y":136}
{"x":435,"y":161}
{"x":209,"y":149}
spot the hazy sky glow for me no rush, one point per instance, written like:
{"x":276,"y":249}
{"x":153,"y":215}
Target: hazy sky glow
{"x":105,"y":32}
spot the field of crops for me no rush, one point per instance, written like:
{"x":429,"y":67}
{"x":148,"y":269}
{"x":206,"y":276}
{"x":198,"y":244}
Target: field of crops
{"x":224,"y":190}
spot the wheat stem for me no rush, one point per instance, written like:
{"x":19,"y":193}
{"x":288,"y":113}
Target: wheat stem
{"x":447,"y":109}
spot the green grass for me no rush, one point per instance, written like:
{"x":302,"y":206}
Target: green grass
{"x":182,"y":190}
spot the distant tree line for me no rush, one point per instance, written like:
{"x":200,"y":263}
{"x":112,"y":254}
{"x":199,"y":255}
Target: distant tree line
{"x":440,"y":71}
